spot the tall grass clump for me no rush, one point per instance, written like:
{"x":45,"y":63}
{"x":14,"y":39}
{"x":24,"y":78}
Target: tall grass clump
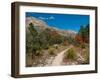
{"x":51,"y":51}
{"x":70,"y":54}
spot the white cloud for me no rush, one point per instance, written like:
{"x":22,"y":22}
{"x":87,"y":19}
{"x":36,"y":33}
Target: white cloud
{"x":41,"y":17}
{"x":46,"y":18}
{"x":51,"y":17}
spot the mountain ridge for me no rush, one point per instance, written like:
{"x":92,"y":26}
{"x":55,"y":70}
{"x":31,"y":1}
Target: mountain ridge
{"x":41,"y":25}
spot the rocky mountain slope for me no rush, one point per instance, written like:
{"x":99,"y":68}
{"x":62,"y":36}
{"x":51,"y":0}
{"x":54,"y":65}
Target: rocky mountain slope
{"x":40,"y":25}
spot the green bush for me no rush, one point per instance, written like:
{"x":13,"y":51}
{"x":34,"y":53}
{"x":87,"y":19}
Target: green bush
{"x":70,"y":54}
{"x":86,"y":57}
{"x":83,"y":46}
{"x":51,"y":51}
{"x":38,"y":53}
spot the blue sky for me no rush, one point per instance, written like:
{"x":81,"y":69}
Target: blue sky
{"x":62,"y":21}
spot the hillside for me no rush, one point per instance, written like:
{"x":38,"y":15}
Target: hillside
{"x":45,"y":45}
{"x":40,"y":25}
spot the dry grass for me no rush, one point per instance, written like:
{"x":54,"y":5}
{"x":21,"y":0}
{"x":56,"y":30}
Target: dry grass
{"x":70,"y":54}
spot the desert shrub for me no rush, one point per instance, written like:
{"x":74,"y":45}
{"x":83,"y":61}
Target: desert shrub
{"x":72,"y":41}
{"x":51,"y":51}
{"x":38,"y":53}
{"x":83,"y":46}
{"x":55,"y":46}
{"x":86,"y":57}
{"x":70,"y":54}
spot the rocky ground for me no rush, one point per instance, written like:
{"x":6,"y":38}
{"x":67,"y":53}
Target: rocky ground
{"x":57,"y":59}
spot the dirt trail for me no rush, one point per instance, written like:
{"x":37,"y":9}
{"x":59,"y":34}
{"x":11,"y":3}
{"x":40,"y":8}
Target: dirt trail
{"x":58,"y":59}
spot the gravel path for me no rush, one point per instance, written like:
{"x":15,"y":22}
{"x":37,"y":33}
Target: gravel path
{"x":58,"y":59}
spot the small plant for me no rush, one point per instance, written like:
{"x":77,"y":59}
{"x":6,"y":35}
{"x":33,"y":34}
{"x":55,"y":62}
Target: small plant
{"x":38,"y":53}
{"x":83,"y":46}
{"x":51,"y":51}
{"x":70,"y":54}
{"x":86,"y":57}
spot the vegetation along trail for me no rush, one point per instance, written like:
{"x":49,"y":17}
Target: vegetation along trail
{"x":58,"y":59}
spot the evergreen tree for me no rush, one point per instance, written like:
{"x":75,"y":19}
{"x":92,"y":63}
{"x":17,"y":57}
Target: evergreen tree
{"x":83,"y":34}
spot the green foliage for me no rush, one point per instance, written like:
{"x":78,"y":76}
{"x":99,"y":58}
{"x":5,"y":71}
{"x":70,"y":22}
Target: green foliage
{"x":51,"y":51}
{"x":87,"y":33}
{"x":52,"y":37}
{"x":32,"y":29}
{"x":31,"y":40}
{"x":83,"y":46}
{"x":70,"y":54}
{"x":84,"y":33}
{"x":38,"y":40}
{"x":38,"y":53}
{"x":72,"y":41}
{"x":86,"y":57}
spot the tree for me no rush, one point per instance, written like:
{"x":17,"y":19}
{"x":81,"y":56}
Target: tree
{"x":32,"y":40}
{"x":83,"y":34}
{"x":87,"y":34}
{"x":32,"y":29}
